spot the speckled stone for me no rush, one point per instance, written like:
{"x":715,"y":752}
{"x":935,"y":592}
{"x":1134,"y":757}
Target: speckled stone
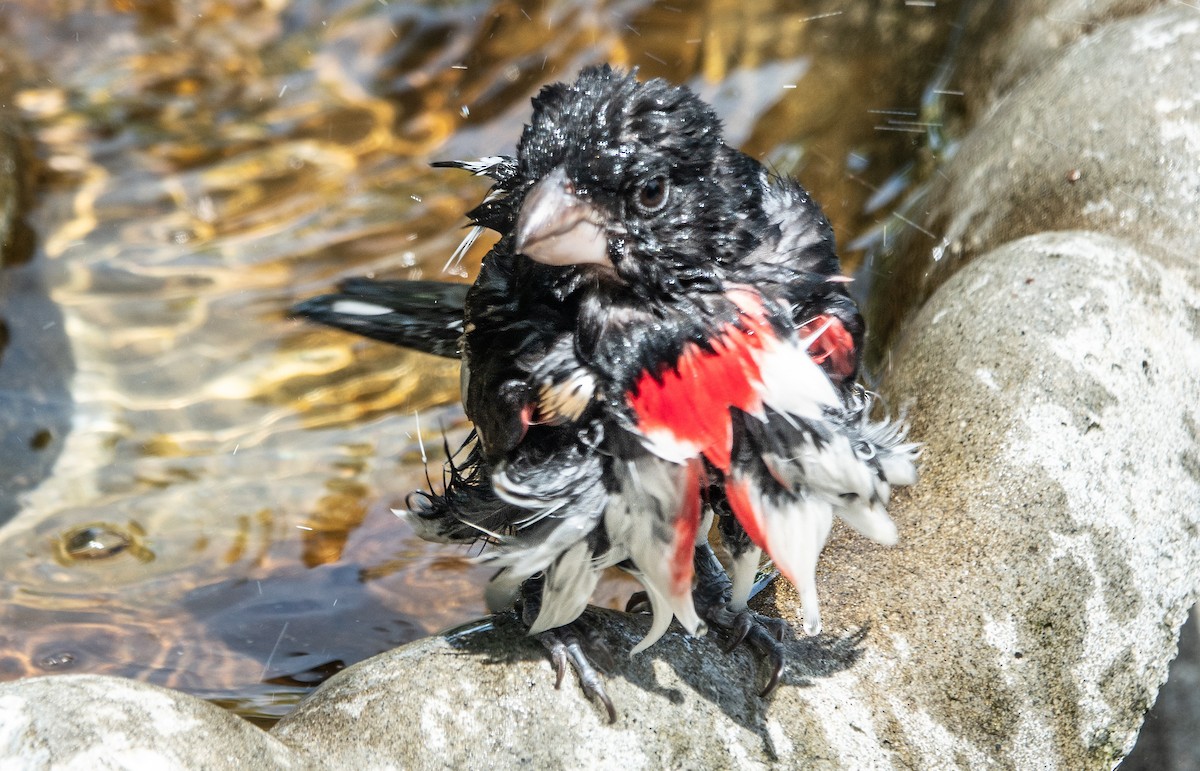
{"x":1106,"y":137}
{"x":1037,"y":32}
{"x":1168,"y":738}
{"x":485,"y":696}
{"x":93,"y":722}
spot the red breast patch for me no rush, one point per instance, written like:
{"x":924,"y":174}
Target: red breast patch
{"x":690,"y":402}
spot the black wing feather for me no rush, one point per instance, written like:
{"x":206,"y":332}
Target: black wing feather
{"x":423,"y":315}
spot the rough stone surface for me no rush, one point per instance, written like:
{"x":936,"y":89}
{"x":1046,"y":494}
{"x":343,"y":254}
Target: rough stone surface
{"x":1037,"y":31}
{"x":1120,"y":107}
{"x":1061,"y":483}
{"x":1047,"y":558}
{"x":486,"y":696}
{"x":1168,"y":738}
{"x":94,"y":722}
{"x":1027,"y":618}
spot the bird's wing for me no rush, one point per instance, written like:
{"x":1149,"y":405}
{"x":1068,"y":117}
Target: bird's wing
{"x":516,"y":332}
{"x":796,"y":263}
{"x":554,"y":482}
{"x":801,"y":237}
{"x":422,"y":315}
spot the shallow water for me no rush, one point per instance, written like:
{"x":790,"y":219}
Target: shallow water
{"x":197,"y":487}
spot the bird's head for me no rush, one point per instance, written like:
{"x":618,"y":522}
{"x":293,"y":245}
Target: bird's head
{"x":633,"y":182}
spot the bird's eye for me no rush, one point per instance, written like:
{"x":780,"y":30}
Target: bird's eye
{"x":652,"y":195}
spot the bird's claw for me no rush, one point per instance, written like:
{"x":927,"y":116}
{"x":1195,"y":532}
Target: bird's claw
{"x":564,"y":646}
{"x":762,"y":634}
{"x":558,"y":656}
{"x":740,"y":630}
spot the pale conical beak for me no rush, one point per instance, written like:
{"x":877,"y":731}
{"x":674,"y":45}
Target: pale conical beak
{"x":557,"y":227}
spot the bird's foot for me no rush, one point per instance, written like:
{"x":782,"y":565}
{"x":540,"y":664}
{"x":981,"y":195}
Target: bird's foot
{"x":762,"y":634}
{"x":565,"y":646}
{"x":712,"y":596}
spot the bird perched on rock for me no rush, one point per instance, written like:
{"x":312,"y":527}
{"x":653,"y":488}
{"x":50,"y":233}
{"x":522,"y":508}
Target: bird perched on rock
{"x":661,"y":335}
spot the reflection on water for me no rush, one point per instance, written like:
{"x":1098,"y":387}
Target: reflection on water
{"x":206,"y":483}
{"x":101,"y":541}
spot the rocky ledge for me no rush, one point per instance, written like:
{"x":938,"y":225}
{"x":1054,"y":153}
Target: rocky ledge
{"x":1047,"y":557}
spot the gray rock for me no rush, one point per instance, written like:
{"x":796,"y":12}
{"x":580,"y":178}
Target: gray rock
{"x":1037,"y":30}
{"x":94,"y":722}
{"x":485,"y":696}
{"x":1062,"y":471}
{"x":1027,"y":617}
{"x":1119,"y":110}
{"x":1167,"y":741}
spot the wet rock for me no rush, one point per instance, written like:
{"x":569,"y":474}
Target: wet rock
{"x":1036,"y":32}
{"x":89,"y":721}
{"x":1104,"y":138}
{"x":1050,"y":558}
{"x":1027,"y":616}
{"x":485,"y":695}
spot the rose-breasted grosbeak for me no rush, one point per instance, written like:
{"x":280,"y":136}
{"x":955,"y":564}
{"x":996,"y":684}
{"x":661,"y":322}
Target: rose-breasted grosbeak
{"x":660,"y":335}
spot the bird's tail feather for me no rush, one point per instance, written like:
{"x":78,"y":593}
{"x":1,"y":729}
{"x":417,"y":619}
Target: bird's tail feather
{"x":423,"y":315}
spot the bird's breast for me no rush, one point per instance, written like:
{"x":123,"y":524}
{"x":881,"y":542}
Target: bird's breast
{"x":683,"y":407}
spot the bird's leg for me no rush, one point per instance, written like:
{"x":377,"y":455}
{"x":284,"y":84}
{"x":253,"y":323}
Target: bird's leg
{"x":721,"y":600}
{"x":565,"y":645}
{"x":713,"y":598}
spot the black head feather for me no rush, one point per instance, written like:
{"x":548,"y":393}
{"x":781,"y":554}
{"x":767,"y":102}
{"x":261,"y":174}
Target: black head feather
{"x":649,"y":156}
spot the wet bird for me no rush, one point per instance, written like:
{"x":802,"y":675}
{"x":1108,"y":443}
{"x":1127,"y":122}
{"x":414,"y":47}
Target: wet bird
{"x":660,"y":337}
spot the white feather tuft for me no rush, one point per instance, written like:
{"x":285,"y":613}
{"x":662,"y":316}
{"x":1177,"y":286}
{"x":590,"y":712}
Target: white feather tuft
{"x":795,"y":532}
{"x":483,"y":165}
{"x":569,"y":583}
{"x":792,"y":384}
{"x":660,"y":608}
{"x":742,"y":572}
{"x":641,"y":518}
{"x":871,"y":520}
